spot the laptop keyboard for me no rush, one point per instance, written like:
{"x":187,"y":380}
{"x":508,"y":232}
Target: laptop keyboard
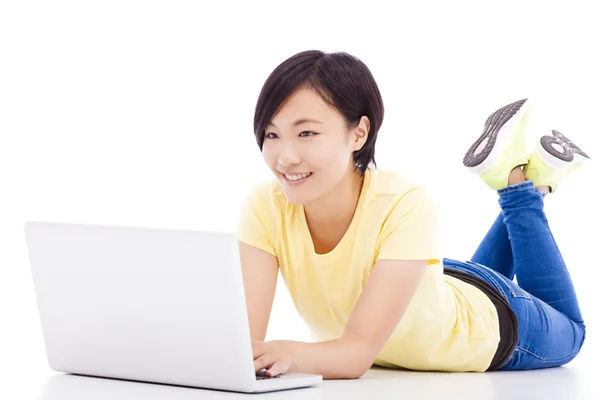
{"x":261,"y":375}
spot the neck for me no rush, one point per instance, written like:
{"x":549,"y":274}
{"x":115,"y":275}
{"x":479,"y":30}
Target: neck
{"x":339,"y":205}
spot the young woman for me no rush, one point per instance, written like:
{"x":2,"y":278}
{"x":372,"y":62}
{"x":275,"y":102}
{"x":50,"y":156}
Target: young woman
{"x":358,"y":247}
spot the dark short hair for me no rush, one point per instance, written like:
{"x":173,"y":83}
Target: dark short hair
{"x":342,"y":80}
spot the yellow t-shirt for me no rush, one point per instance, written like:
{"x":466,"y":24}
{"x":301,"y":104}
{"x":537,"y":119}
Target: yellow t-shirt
{"x":449,"y":325}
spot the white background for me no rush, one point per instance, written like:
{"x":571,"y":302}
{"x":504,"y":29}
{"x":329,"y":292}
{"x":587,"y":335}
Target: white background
{"x":140,"y":113}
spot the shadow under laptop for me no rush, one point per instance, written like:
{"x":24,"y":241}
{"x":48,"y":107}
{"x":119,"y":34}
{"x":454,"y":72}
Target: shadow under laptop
{"x":76,"y":387}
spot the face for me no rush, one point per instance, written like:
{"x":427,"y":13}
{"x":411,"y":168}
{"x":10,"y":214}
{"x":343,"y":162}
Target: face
{"x":309,"y":147}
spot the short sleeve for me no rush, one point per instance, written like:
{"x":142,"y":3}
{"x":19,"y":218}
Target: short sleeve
{"x":256,"y":223}
{"x":411,"y":231}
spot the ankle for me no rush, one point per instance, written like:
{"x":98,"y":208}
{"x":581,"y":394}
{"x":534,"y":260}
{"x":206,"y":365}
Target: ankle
{"x":516,"y":176}
{"x":544,"y":189}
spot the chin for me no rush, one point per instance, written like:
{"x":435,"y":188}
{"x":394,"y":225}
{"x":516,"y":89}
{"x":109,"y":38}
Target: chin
{"x":295,"y":199}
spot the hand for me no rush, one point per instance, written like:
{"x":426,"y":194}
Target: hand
{"x":276,"y":356}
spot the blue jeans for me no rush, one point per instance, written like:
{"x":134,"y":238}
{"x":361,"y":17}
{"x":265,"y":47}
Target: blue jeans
{"x":551,"y":328}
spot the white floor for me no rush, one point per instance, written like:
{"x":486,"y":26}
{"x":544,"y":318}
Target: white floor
{"x":557,"y":383}
{"x":577,"y":380}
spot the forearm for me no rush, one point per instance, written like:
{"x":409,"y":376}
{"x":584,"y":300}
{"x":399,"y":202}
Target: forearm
{"x":341,"y":358}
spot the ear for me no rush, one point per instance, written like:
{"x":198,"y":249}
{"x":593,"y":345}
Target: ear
{"x":360,"y":133}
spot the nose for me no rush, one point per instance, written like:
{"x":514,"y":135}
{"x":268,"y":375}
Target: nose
{"x":288,"y":157}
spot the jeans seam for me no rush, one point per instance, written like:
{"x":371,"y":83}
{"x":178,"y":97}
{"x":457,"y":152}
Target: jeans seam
{"x":547,"y":359}
{"x":491,"y":278}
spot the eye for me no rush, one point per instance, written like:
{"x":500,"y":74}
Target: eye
{"x":267,"y":135}
{"x":311,"y":133}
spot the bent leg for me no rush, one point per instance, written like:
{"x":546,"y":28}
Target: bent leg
{"x":538,"y":263}
{"x":495,"y":251}
{"x":546,"y":337}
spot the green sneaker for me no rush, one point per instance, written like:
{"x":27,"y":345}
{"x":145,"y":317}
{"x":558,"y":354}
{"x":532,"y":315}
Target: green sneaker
{"x":554,"y":158}
{"x":502,"y":145}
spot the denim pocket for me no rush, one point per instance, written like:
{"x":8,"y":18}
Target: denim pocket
{"x":500,"y":280}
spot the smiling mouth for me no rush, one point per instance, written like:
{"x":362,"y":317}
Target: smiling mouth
{"x":297,"y":178}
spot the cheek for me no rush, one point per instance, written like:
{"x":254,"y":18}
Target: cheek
{"x":331,"y":156}
{"x":268,"y":156}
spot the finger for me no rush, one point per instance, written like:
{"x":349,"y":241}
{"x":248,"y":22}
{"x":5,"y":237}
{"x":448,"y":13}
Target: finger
{"x":262,"y":362}
{"x":278,"y":368}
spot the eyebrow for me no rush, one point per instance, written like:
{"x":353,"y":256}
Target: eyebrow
{"x":298,"y":122}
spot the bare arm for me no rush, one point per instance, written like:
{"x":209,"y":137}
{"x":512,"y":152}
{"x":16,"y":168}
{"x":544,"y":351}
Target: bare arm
{"x":259,"y":271}
{"x":377,"y":312}
{"x":380,"y":307}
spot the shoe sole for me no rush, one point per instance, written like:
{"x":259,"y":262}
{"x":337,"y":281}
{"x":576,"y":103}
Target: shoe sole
{"x":497,"y":128}
{"x":556,"y":158}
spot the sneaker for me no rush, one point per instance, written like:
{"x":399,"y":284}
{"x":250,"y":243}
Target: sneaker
{"x":502,"y":145}
{"x":554,"y":158}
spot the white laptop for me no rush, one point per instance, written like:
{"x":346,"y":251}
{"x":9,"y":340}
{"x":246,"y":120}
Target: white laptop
{"x":153,"y":305}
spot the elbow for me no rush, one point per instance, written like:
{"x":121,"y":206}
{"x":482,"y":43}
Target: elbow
{"x":354,"y":357}
{"x":346,"y":373}
{"x":357,"y":369}
{"x":361,"y":360}
{"x":357,"y":374}
{"x":348,"y":369}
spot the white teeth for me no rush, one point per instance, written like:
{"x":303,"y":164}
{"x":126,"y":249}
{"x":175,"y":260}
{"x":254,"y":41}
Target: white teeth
{"x":298,"y":177}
